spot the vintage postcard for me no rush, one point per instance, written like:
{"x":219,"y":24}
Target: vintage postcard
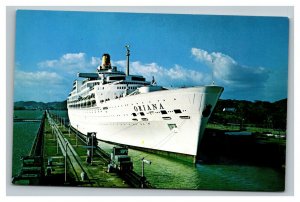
{"x":150,"y":101}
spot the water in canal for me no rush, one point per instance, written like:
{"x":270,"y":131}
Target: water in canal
{"x":23,"y":136}
{"x":166,"y":173}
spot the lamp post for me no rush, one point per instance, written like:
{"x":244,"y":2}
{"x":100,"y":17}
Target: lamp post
{"x":143,"y":174}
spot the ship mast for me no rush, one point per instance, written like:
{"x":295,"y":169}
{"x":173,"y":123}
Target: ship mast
{"x":127,"y":56}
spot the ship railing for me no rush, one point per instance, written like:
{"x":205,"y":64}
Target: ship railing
{"x":115,"y":82}
{"x":136,"y":92}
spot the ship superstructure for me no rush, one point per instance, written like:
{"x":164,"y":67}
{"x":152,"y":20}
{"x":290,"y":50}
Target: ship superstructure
{"x":128,"y":110}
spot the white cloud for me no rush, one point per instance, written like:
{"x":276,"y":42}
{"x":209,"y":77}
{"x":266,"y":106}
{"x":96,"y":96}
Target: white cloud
{"x":37,"y":78}
{"x":70,"y":62}
{"x":95,"y":61}
{"x":228,"y":71}
{"x":73,"y":57}
{"x":175,"y":76}
{"x":147,"y":70}
{"x":179,"y":73}
{"x":39,"y":86}
{"x":48,"y":63}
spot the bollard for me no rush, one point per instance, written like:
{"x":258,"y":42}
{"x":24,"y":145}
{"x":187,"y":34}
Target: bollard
{"x":83,"y":176}
{"x":50,"y":161}
{"x":48,"y":171}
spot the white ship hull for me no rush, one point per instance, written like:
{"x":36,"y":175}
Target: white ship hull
{"x":167,"y":120}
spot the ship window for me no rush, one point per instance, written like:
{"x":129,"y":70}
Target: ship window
{"x":172,"y":126}
{"x":177,"y":111}
{"x":167,"y":118}
{"x":142,"y":114}
{"x":144,"y":119}
{"x":164,"y":112}
{"x":185,"y":117}
{"x":137,"y":79}
{"x":134,"y":119}
{"x":117,"y":78}
{"x":133,"y":114}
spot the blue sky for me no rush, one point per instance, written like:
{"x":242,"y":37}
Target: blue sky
{"x":246,"y":55}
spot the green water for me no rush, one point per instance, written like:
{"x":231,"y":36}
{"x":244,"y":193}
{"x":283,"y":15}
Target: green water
{"x":23,"y":136}
{"x":28,"y":114}
{"x":165,"y":173}
{"x":61,"y":113}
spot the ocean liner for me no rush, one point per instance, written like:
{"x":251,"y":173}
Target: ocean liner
{"x":129,"y":110}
